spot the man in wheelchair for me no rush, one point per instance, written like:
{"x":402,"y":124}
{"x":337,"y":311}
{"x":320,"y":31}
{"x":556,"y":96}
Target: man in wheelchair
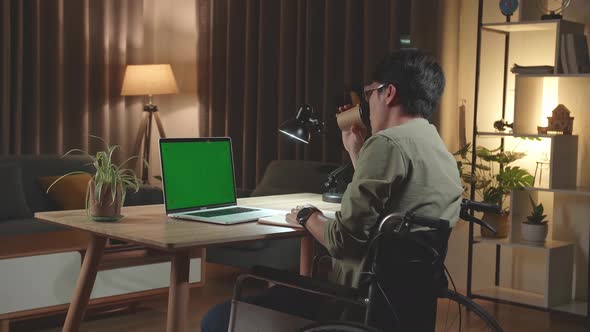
{"x":404,"y":166}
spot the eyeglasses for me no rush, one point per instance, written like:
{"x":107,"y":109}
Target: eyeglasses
{"x":368,"y":92}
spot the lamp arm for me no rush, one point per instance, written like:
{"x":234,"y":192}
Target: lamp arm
{"x":317,"y":125}
{"x":335,"y":175}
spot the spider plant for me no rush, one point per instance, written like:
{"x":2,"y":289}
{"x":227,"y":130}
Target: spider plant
{"x":107,"y":176}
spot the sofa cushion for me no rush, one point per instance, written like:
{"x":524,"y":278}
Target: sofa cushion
{"x":145,"y":196}
{"x":69,"y":193}
{"x":34,"y":167}
{"x":13,"y":227}
{"x":13,"y":204}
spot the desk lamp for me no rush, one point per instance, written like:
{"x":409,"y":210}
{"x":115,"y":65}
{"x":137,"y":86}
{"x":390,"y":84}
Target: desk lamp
{"x":148,"y":80}
{"x":305,"y":124}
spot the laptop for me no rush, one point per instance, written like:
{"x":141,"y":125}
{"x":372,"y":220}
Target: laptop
{"x":198,"y":181}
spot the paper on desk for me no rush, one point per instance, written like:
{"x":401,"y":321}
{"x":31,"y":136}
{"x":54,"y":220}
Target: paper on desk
{"x":279,"y":219}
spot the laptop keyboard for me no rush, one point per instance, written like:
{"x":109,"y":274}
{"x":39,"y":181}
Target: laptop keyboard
{"x":222,"y":212}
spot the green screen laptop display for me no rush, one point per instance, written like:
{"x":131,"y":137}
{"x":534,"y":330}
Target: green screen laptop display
{"x":197,"y":173}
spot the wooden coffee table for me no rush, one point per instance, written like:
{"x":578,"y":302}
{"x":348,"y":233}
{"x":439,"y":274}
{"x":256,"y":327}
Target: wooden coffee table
{"x":149,"y":226}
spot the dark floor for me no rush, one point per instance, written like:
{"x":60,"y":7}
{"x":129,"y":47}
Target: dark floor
{"x":151,"y":316}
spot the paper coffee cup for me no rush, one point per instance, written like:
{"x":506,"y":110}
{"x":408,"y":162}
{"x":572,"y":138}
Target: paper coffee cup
{"x":349,"y":118}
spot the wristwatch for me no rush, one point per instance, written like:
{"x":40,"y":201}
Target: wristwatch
{"x":304,"y":214}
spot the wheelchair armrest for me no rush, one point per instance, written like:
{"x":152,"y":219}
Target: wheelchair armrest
{"x":321,"y":287}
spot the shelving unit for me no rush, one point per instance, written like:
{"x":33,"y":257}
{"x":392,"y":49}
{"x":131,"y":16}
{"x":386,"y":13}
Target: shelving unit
{"x":579,"y":308}
{"x":563,"y":150}
{"x":547,"y":245}
{"x":567,"y":190}
{"x":512,"y":134}
{"x":561,"y":251}
{"x":512,"y":296}
{"x":555,"y":25}
{"x":561,"y":75}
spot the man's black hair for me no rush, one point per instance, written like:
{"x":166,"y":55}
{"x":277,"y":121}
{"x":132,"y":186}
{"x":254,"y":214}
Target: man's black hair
{"x":418,"y":78}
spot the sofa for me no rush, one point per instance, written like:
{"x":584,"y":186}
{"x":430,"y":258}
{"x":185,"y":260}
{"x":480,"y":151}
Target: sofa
{"x":280,"y":177}
{"x":40,"y":262}
{"x":21,"y":196}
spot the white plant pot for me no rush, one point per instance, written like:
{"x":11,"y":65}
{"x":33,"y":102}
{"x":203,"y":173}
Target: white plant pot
{"x":533,"y":233}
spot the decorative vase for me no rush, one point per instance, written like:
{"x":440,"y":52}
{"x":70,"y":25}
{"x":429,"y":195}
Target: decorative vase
{"x":498,"y":221}
{"x":534,"y":232}
{"x":106,"y":209}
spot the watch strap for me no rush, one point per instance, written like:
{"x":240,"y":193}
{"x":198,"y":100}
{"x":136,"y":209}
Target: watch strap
{"x":303,"y":219}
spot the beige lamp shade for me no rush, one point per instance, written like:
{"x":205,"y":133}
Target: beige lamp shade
{"x":149,"y":80}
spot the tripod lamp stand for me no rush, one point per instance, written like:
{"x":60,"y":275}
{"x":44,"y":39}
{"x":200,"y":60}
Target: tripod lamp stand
{"x":148,"y":80}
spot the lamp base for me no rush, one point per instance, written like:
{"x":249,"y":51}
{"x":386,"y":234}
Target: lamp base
{"x":551,"y":16}
{"x":332,"y":197}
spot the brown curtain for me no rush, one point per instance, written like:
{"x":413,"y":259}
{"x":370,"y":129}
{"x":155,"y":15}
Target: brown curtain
{"x":62,"y":67}
{"x":258,"y":60}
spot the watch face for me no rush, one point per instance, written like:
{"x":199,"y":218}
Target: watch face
{"x":508,"y":7}
{"x":302,"y":214}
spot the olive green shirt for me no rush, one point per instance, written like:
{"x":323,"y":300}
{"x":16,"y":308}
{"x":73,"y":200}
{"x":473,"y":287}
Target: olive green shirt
{"x":399,"y":169}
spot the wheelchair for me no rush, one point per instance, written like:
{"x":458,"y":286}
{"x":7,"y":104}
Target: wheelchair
{"x":397,"y":292}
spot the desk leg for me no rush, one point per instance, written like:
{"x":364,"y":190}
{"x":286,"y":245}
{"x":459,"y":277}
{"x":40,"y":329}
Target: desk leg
{"x":4,"y":325}
{"x":306,"y":256}
{"x":178,"y":293}
{"x":85,"y":283}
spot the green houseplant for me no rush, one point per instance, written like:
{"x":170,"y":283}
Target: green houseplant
{"x":108,"y":185}
{"x":535,"y":228}
{"x":494,"y":180}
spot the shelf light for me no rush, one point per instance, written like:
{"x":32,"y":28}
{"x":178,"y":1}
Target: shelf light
{"x":550,"y":94}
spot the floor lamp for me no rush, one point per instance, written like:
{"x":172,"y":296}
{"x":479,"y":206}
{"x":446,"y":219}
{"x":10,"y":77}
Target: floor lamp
{"x":150,"y":80}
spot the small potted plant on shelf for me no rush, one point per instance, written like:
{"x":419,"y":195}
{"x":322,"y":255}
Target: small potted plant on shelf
{"x":108,"y":185}
{"x":535,"y":228}
{"x":494,"y":180}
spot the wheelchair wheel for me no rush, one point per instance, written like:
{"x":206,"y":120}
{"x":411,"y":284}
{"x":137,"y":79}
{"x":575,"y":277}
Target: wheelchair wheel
{"x":337,"y":327}
{"x":459,"y":309}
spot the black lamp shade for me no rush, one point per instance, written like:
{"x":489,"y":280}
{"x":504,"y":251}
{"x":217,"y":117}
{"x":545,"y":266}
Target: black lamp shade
{"x":305,"y":123}
{"x":296,"y":129}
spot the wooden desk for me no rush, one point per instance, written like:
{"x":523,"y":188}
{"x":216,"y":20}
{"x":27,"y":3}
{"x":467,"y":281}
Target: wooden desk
{"x":149,"y":226}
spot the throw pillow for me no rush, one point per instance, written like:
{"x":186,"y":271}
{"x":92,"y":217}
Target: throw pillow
{"x":13,"y":203}
{"x":69,"y":193}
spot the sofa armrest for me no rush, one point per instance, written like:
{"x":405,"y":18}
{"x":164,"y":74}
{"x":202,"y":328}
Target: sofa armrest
{"x":145,"y":196}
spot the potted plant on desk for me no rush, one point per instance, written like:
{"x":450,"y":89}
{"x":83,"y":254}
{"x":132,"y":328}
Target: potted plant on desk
{"x":535,"y":228}
{"x":107,"y":187}
{"x":494,"y":180}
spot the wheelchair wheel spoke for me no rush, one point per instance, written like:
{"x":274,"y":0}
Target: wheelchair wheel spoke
{"x":447,"y":314}
{"x":473,"y":315}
